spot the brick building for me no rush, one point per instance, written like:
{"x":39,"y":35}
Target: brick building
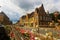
{"x":4,"y":19}
{"x":43,"y":17}
{"x":37,"y":18}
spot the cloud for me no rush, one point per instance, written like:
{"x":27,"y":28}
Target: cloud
{"x":13,"y":15}
{"x":16,"y":8}
{"x":27,"y":4}
{"x":13,"y":11}
{"x":51,"y":5}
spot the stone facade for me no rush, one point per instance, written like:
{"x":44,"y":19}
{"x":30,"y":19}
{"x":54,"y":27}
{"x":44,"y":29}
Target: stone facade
{"x":37,"y":18}
{"x":4,"y":19}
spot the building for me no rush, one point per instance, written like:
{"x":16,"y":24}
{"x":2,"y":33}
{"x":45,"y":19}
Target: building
{"x":43,"y":17}
{"x":4,"y":19}
{"x":38,"y":18}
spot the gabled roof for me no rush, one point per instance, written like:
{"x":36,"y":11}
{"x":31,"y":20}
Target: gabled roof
{"x":2,"y":13}
{"x":23,"y":17}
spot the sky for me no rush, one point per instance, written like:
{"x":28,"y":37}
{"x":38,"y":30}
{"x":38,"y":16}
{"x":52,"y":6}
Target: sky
{"x":14,"y":9}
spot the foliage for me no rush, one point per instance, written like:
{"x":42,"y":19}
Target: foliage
{"x":8,"y":29}
{"x":53,"y":18}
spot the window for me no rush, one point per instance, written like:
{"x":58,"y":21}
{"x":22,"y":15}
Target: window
{"x":44,"y":18}
{"x":40,"y":17}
